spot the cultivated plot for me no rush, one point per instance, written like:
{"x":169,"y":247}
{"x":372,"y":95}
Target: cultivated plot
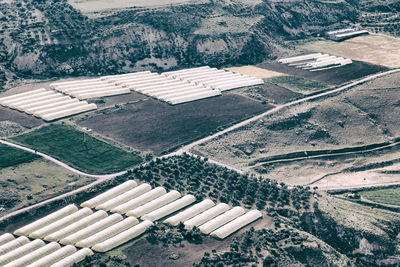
{"x":151,"y":125}
{"x":79,"y":149}
{"x":375,"y":49}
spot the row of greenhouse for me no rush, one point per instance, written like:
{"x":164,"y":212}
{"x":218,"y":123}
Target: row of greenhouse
{"x":221,"y":80}
{"x":46,"y":104}
{"x":21,"y":251}
{"x":113,"y":218}
{"x":315,"y":61}
{"x":89,"y":88}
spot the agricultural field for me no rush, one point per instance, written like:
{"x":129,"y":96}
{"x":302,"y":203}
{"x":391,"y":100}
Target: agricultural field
{"x":298,"y":84}
{"x":353,"y":120}
{"x":10,"y":156}
{"x":20,"y":118}
{"x":79,"y":149}
{"x":334,"y":76}
{"x":31,"y":182}
{"x":389,"y":196}
{"x":375,"y":49}
{"x":157,"y":126}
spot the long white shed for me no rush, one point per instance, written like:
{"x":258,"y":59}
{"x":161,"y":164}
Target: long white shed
{"x":140,"y":200}
{"x":91,"y":229}
{"x":190,"y":212}
{"x":54,"y":257}
{"x":169,"y":208}
{"x":125,"y":197}
{"x":21,"y":251}
{"x":61,"y":223}
{"x":78,"y":256}
{"x":220,"y":220}
{"x":109,"y":194}
{"x":34,"y":255}
{"x":236,"y":224}
{"x":69,"y":112}
{"x":13,"y":244}
{"x":122,"y":237}
{"x":76,"y":226}
{"x":108,"y":232}
{"x":206,"y":215}
{"x":5,"y":238}
{"x":52,"y":217}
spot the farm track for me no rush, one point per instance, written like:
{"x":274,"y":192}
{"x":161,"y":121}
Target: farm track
{"x":184,"y":149}
{"x":304,"y":155}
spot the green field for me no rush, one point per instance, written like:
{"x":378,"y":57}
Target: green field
{"x":79,"y":149}
{"x":298,"y":84}
{"x":389,"y":196}
{"x":12,"y":156}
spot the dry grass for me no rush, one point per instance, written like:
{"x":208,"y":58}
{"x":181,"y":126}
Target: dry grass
{"x":376,"y":49}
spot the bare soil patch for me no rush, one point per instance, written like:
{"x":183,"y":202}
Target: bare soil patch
{"x":23,"y":119}
{"x":157,"y":126}
{"x":335,"y":76}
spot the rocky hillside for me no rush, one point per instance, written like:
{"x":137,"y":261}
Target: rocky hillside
{"x":51,"y":38}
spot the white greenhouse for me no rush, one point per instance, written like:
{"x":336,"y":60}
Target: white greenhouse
{"x":5,"y":238}
{"x":154,"y":204}
{"x":220,"y":220}
{"x":34,"y":255}
{"x":54,"y":257}
{"x":206,"y":215}
{"x":169,"y":208}
{"x":14,"y":244}
{"x":190,"y":212}
{"x":237,"y":224}
{"x":108,"y":232}
{"x":92,"y":229}
{"x":113,"y":192}
{"x":122,"y":237}
{"x":138,"y":201}
{"x":76,"y":226}
{"x":78,"y":256}
{"x":125,"y":197}
{"x":63,"y":222}
{"x":21,"y":251}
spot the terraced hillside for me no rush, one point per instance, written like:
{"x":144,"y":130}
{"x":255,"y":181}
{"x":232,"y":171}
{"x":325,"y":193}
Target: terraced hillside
{"x":48,"y":38}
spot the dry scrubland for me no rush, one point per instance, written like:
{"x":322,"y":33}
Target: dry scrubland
{"x":375,"y":49}
{"x":29,"y":183}
{"x":364,"y":115}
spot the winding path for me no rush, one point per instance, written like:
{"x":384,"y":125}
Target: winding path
{"x":184,"y":149}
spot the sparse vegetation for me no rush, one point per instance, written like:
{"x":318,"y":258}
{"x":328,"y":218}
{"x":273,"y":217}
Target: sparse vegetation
{"x":298,"y":84}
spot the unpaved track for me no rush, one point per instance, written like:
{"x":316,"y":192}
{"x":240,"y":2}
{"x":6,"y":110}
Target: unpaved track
{"x":184,"y":149}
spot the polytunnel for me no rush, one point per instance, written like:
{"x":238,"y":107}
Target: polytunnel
{"x":236,"y":224}
{"x":154,"y":204}
{"x":220,"y":220}
{"x":169,"y":208}
{"x":206,"y":215}
{"x":92,"y":229}
{"x":21,"y":251}
{"x":52,"y":217}
{"x":13,"y":244}
{"x":57,"y":225}
{"x":54,"y":257}
{"x":113,"y":192}
{"x":78,"y":256}
{"x":125,"y":197}
{"x":76,"y":226}
{"x":190,"y":212}
{"x":108,"y":232}
{"x":140,"y":200}
{"x":34,"y":255}
{"x":122,"y":237}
